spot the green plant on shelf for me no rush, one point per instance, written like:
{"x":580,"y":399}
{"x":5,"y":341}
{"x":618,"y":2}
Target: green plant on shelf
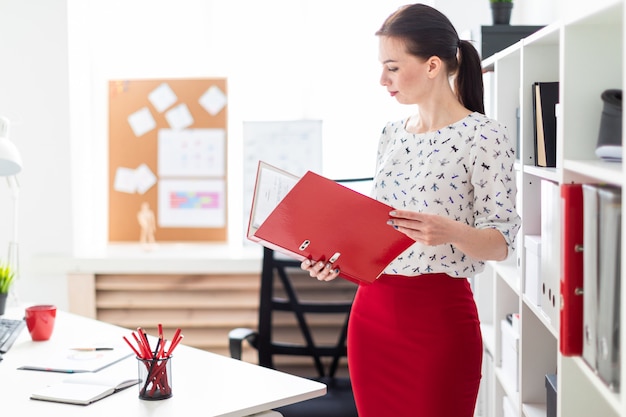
{"x":7,"y":275}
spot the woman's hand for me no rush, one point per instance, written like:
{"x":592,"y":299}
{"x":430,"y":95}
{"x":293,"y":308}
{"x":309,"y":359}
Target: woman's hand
{"x":321,"y":270}
{"x":432,"y":230}
{"x":427,"y":229}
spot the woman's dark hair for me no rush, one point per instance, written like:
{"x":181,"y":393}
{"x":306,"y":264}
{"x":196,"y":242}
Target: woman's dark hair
{"x":426,"y":32}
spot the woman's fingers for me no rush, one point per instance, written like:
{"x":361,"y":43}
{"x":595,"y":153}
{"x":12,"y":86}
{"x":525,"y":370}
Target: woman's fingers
{"x":323,"y":271}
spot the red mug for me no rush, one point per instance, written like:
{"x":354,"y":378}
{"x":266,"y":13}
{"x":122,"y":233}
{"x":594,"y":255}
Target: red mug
{"x":40,"y":321}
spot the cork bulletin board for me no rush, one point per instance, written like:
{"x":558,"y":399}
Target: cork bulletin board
{"x":167,"y":148}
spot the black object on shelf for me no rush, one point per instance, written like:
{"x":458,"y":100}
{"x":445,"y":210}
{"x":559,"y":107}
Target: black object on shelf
{"x":551,"y":395}
{"x":609,"y":145}
{"x":497,"y":37}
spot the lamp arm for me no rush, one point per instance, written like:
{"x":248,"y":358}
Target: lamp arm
{"x":14,"y":186}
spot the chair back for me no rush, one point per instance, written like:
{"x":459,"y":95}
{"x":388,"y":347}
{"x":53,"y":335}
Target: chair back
{"x":320,"y":310}
{"x":286,"y":289}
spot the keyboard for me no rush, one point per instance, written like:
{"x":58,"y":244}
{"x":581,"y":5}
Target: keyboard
{"x":10,"y":329}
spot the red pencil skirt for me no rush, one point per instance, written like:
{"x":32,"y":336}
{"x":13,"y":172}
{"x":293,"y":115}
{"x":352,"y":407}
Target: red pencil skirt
{"x":415,"y":347}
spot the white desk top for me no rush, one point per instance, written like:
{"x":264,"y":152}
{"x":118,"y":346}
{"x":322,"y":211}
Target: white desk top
{"x":203,"y":383}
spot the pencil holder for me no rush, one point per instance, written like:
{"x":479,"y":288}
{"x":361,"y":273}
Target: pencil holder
{"x":155,"y":376}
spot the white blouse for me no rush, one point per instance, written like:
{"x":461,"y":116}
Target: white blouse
{"x":464,"y":171}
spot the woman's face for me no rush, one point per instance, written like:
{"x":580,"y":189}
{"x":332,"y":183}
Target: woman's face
{"x":405,"y":76}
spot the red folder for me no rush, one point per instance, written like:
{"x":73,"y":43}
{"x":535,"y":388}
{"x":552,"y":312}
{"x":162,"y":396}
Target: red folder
{"x":321,"y":219}
{"x":571,"y":326}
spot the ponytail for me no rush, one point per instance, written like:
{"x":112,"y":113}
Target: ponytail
{"x":469,"y":78}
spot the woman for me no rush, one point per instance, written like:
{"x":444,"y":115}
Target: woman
{"x":414,"y":342}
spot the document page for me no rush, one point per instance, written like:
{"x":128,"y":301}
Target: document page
{"x":271,"y":187}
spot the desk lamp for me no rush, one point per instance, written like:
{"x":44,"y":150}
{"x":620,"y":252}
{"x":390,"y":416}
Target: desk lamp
{"x":10,"y":166}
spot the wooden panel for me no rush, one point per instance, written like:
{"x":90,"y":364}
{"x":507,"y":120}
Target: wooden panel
{"x":207,"y":307}
{"x":82,"y":294}
{"x":133,"y":282}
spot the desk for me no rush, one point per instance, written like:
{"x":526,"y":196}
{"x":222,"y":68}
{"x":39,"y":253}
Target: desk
{"x":203,"y":383}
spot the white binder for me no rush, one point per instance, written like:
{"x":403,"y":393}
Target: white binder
{"x":609,"y":274}
{"x":590,"y":273}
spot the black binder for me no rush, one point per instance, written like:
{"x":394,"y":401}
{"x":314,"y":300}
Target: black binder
{"x":545,"y":97}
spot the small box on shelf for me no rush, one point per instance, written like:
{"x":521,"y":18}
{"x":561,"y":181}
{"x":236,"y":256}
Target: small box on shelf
{"x":510,"y":354}
{"x":532,"y":277}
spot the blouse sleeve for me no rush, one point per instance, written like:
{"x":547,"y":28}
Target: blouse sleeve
{"x":493,"y":179}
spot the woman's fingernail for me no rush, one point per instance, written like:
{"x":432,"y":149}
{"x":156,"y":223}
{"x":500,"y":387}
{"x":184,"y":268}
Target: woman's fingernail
{"x":392,"y":213}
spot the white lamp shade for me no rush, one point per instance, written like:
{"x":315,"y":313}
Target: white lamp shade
{"x":10,"y":159}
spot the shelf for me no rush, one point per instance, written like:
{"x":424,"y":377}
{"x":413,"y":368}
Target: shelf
{"x":506,"y":385}
{"x":548,"y":35}
{"x":601,"y":171}
{"x":534,"y":410}
{"x":606,"y":12}
{"x":604,"y":391}
{"x":508,"y":271}
{"x":550,"y":174}
{"x":541,"y":316}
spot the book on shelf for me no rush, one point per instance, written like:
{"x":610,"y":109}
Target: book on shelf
{"x":550,"y":252}
{"x":571,"y":308}
{"x":545,"y":96}
{"x":287,"y":216}
{"x":82,"y":389}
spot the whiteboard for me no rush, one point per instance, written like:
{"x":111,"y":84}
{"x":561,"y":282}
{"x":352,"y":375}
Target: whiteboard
{"x":294,"y":146}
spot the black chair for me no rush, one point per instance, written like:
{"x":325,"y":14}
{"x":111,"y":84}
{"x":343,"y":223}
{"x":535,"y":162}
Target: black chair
{"x":279,"y":292}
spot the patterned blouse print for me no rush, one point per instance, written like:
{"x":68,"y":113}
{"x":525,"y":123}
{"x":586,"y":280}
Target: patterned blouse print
{"x":464,"y":171}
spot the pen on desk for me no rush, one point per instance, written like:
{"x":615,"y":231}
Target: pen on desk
{"x":91,"y":349}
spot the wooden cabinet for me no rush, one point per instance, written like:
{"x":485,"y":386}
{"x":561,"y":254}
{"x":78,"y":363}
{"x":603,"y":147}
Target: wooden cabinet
{"x":205,"y":294}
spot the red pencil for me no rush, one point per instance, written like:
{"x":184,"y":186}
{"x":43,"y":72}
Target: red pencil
{"x":132,"y":347}
{"x":174,"y":344}
{"x":142,"y":348}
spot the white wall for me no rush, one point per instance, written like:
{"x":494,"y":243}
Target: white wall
{"x":314,"y":59}
{"x":34,"y":95}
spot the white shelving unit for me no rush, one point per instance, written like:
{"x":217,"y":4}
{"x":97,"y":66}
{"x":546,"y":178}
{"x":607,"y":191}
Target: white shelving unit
{"x":585,"y":53}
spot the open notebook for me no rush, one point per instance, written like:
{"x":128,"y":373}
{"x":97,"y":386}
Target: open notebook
{"x":82,"y":389}
{"x":75,"y":361}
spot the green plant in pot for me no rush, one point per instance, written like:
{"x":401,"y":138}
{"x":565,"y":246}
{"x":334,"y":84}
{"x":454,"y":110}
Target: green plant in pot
{"x":7,"y":276}
{"x":501,"y":11}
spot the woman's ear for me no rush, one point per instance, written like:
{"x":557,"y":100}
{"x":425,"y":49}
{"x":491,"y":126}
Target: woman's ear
{"x":434,"y":65}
